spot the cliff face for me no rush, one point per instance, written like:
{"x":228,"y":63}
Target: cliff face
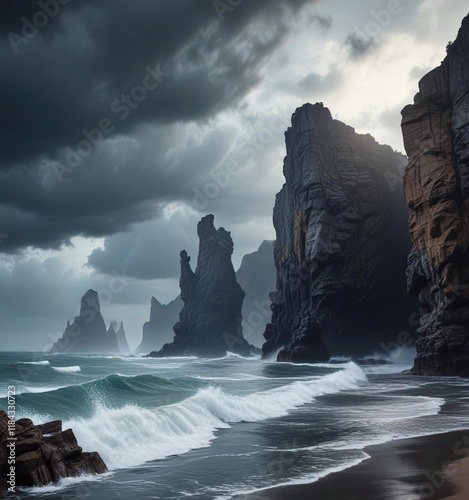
{"x":159,"y":330}
{"x":436,"y":184}
{"x":342,"y":243}
{"x":256,"y":275}
{"x":210,"y":321}
{"x":88,"y":331}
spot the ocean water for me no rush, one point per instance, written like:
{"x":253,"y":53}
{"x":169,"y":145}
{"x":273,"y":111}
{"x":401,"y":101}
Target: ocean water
{"x":210,"y":429}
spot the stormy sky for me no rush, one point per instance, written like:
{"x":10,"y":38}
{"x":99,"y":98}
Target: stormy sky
{"x":123,"y":122}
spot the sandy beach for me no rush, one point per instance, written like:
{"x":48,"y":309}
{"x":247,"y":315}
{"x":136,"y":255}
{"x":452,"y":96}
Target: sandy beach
{"x":434,"y":467}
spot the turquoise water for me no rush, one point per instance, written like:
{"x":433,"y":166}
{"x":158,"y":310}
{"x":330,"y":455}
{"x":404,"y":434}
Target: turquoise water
{"x":210,"y":429}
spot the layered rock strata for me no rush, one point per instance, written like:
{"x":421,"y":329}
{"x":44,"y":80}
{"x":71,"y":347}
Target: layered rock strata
{"x":436,"y":184}
{"x":42,"y":454}
{"x":342,"y":243}
{"x":210,"y":321}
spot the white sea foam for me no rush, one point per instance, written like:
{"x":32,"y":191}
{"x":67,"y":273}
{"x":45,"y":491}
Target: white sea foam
{"x":411,"y":407}
{"x":399,"y":355}
{"x":173,"y":358}
{"x":129,"y":357}
{"x":82,"y":490}
{"x":39,"y":390}
{"x":340,"y":359}
{"x":242,"y":377}
{"x":305,"y":479}
{"x":67,"y":369}
{"x":34,"y":362}
{"x":131,"y":435}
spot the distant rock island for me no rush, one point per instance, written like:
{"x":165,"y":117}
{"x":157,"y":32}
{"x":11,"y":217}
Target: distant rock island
{"x":436,"y":183}
{"x":210,"y":321}
{"x":256,"y":275}
{"x":88,"y":331}
{"x":159,"y":329}
{"x":43,"y":453}
{"x":342,"y":243}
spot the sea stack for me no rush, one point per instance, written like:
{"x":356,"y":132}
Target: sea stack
{"x":342,"y":244}
{"x":210,"y":321}
{"x":88,"y":332}
{"x":436,"y":184}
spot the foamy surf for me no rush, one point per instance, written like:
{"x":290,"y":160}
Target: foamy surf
{"x":43,"y":363}
{"x":131,"y":435}
{"x":82,"y":489}
{"x":305,"y":479}
{"x":67,"y":369}
{"x":33,"y":390}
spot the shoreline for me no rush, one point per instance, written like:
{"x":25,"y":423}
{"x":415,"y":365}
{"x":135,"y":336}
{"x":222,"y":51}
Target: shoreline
{"x":407,"y":469}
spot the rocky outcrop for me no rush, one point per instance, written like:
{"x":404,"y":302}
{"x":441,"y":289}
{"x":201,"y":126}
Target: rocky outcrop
{"x":42,"y":454}
{"x":342,"y":243}
{"x":159,"y":330}
{"x":88,"y":332}
{"x":210,"y":321}
{"x":256,"y":275}
{"x":436,"y":183}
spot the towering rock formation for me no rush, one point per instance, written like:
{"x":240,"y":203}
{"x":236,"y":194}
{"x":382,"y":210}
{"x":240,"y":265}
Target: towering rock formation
{"x":159,"y":330}
{"x":88,"y":331}
{"x":210,"y":321}
{"x":256,"y":275}
{"x":436,"y":183}
{"x":342,"y":243}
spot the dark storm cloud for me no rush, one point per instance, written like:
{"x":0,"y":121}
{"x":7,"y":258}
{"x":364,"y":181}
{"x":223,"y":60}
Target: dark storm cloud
{"x":126,"y":180}
{"x":359,"y":46}
{"x":150,"y":251}
{"x":73,"y":74}
{"x":66,"y":78}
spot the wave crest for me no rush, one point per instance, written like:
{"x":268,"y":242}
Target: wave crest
{"x":131,"y":435}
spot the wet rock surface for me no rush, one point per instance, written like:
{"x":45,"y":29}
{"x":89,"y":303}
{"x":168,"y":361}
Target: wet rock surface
{"x":42,"y":454}
{"x":342,"y":243}
{"x":210,"y":321}
{"x":436,"y":184}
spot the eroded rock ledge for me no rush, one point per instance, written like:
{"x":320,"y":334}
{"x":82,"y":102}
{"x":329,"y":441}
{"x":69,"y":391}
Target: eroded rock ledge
{"x":44,"y":454}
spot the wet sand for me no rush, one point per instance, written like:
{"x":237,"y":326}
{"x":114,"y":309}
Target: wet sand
{"x":458,"y":474}
{"x":434,"y":467}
